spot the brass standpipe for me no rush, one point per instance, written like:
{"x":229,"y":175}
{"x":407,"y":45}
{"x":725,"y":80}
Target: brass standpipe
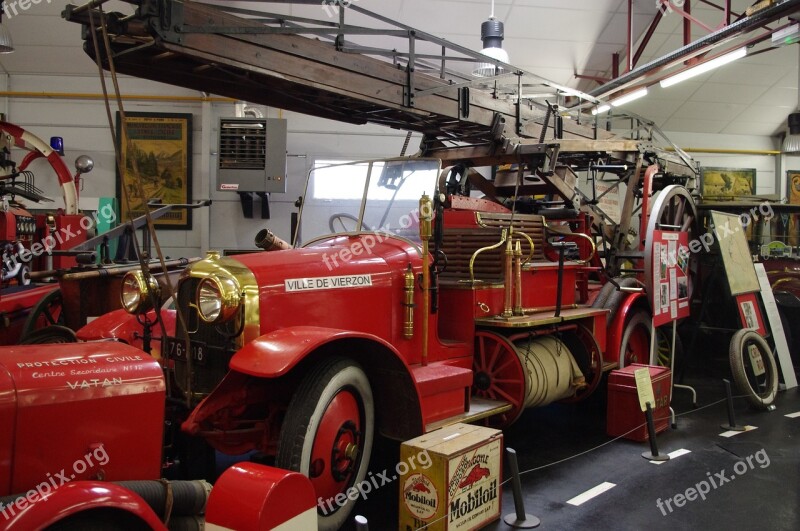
{"x":508,"y":276}
{"x":408,"y":278}
{"x":425,"y":233}
{"x":518,"y":279}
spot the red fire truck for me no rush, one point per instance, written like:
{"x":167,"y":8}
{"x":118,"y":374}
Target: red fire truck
{"x":427,"y":308}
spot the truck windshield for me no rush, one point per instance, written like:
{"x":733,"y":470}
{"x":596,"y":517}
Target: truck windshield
{"x":373,"y":196}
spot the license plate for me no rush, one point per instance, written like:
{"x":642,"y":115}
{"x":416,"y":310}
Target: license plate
{"x":177,"y":350}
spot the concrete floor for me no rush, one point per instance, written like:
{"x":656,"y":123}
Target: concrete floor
{"x":566,"y":451}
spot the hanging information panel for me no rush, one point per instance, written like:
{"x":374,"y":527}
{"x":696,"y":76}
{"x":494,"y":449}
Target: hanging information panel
{"x":669,"y":297}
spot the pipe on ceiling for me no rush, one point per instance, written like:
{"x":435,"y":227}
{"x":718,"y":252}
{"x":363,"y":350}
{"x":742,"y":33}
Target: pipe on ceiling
{"x":739,"y":27}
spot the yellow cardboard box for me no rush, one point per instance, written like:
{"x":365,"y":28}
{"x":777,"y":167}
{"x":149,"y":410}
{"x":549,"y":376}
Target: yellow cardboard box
{"x":461,"y":490}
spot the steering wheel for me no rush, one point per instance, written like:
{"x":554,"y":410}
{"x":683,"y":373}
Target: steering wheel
{"x":344,"y":219}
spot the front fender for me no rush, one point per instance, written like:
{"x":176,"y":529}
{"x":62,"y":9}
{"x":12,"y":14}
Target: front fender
{"x":42,"y":509}
{"x":119,"y":325}
{"x":251,"y":497}
{"x":276,"y":353}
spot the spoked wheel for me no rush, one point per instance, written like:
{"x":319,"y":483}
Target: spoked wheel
{"x":635,"y":345}
{"x":663,"y":352}
{"x":327,"y":435}
{"x":753,"y":368}
{"x":673,"y":210}
{"x":499,"y":375}
{"x":48,"y":311}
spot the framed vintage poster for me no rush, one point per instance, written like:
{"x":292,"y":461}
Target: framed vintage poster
{"x":793,"y":179}
{"x":734,"y":251}
{"x":161,"y":145}
{"x":727,"y":183}
{"x":793,"y":182}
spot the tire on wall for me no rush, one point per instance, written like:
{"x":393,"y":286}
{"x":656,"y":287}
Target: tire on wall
{"x":327,"y":434}
{"x":760,"y":390}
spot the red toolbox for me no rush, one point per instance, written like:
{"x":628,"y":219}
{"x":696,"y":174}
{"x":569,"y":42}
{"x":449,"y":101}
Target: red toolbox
{"x":625,"y":413}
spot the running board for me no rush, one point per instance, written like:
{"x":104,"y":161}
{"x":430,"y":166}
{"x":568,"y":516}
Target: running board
{"x":610,"y":365}
{"x":479,"y":408}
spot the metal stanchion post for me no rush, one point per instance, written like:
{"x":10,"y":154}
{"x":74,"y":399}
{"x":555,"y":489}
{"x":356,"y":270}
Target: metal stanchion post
{"x":731,"y":426}
{"x":653,"y":455}
{"x":518,"y":519}
{"x":361,"y":523}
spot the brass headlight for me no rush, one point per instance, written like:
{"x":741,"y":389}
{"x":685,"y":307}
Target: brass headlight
{"x":136,"y":291}
{"x":218,"y":299}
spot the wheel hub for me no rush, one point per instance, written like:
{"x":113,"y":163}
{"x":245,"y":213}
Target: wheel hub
{"x":483,"y":381}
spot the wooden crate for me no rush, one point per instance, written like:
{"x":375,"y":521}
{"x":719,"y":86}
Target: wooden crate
{"x":460,"y":490}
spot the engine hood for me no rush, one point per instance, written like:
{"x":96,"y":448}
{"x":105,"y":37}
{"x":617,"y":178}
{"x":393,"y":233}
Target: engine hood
{"x":325,"y":283}
{"x":342,"y":256}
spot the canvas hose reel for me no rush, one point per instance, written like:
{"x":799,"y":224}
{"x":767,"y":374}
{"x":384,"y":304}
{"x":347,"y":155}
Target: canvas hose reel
{"x":550,"y":370}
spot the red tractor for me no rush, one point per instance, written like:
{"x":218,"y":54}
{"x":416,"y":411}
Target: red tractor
{"x":422,"y":313}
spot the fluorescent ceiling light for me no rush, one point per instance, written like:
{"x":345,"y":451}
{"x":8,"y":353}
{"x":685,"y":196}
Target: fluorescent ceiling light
{"x":627,"y":98}
{"x":705,"y":67}
{"x":601,"y":109}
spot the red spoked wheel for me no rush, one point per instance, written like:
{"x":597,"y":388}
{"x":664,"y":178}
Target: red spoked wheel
{"x":327,"y":435}
{"x":635,"y":344}
{"x":499,"y":375}
{"x":49,"y":311}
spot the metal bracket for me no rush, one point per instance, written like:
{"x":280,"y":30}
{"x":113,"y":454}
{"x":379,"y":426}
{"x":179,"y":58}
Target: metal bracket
{"x":409,"y":89}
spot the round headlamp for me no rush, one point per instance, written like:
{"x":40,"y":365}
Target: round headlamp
{"x":135,"y":294}
{"x":218,"y":299}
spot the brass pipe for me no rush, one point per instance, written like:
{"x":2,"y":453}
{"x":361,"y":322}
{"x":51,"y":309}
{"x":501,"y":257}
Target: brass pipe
{"x":425,"y":216}
{"x":508,"y":278}
{"x":503,"y":238}
{"x":408,"y":278}
{"x":548,"y":308}
{"x":591,"y":241}
{"x":518,"y":278}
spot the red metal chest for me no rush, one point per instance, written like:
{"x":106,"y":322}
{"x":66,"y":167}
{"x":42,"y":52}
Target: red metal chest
{"x":625,"y":413}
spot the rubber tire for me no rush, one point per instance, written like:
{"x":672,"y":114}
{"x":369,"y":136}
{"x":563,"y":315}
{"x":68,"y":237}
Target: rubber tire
{"x":302,"y":418}
{"x":637,"y":318}
{"x":605,"y":292}
{"x":741,"y":339}
{"x":617,"y":296}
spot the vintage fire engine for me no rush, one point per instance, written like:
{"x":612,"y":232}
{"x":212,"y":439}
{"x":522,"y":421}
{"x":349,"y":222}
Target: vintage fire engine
{"x":432,"y":308}
{"x":34,"y":242}
{"x":429,"y":305}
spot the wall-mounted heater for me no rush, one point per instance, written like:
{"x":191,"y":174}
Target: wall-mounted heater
{"x":252,"y":155}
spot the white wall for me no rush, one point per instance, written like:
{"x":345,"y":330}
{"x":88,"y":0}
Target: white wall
{"x":308,"y":139}
{"x":84,"y":126}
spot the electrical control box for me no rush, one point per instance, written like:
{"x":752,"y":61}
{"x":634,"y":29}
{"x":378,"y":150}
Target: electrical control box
{"x":252,"y":155}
